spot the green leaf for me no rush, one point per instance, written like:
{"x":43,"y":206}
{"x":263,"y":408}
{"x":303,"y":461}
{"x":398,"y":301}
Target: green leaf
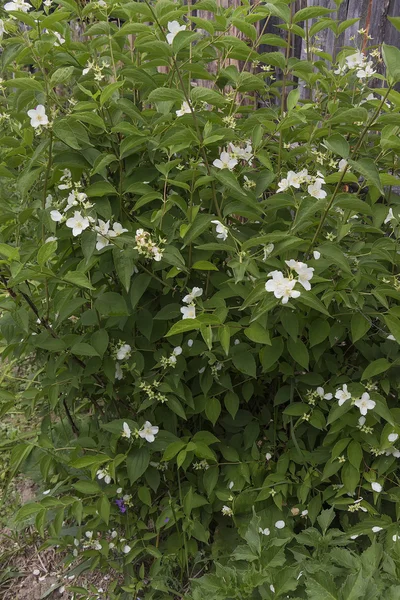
{"x":355,"y":454}
{"x":83,"y":349}
{"x":213,"y":409}
{"x":359,"y":326}
{"x":202,"y":94}
{"x":99,"y":189}
{"x":338,"y":144}
{"x":183,"y":326}
{"x":257,"y":333}
{"x":87,"y":487}
{"x":204,"y":265}
{"x":78,"y":278}
{"x":104,"y":509}
{"x":109,"y":90}
{"x":311,"y":13}
{"x":46,"y":252}
{"x":136,"y":463}
{"x":298,"y":352}
{"x":228,"y":179}
{"x":111,"y":304}
{"x":376,"y":368}
{"x":245,"y":363}
{"x":391,"y":57}
{"x":393,"y":324}
{"x":367,"y":168}
{"x":140,"y":284}
{"x":165,"y":94}
{"x":224,"y":336}
{"x":269,"y":356}
{"x":320,"y":586}
{"x":231,"y":402}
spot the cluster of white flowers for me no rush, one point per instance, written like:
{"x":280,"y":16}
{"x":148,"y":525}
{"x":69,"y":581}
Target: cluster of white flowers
{"x":123,"y":352}
{"x":147,"y":432}
{"x":364,"y":403}
{"x":189,"y":312}
{"x":146,"y":246}
{"x":201,"y":466}
{"x":79,"y":222}
{"x":153,"y":394}
{"x":227,"y":511}
{"x":17,"y":5}
{"x":295,"y":180}
{"x":105,"y":233}
{"x":358,"y":61}
{"x":173,"y":29}
{"x":230,"y":158}
{"x":170,"y":361}
{"x":96,"y":68}
{"x":283,"y":287}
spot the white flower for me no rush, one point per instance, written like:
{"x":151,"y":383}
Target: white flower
{"x":316,"y":255}
{"x":354,"y":537}
{"x":221,"y":230}
{"x":227,"y":511}
{"x":304,"y":272}
{"x":361,"y":421}
{"x":376,"y":486}
{"x":52,"y":238}
{"x":195,"y":293}
{"x":148,"y":432}
{"x":321,"y":393}
{"x":393,"y":437}
{"x":395,"y":537}
{"x":46,"y":492}
{"x":117,"y":230}
{"x":271,"y":587}
{"x":126,"y":431}
{"x":174,"y":28}
{"x":304,"y":513}
{"x":38,"y":115}
{"x":268,"y":456}
{"x":190,"y":343}
{"x":390,"y":216}
{"x":61,"y":589}
{"x":126,"y":549}
{"x":391,"y":337}
{"x":230,"y":485}
{"x":36,"y":572}
{"x":60,"y":39}
{"x":280,"y":524}
{"x":104,"y":474}
{"x":315,"y":189}
{"x":365,"y":403}
{"x":268,"y":249}
{"x":281,"y":286}
{"x":342,"y":164}
{"x":118,"y":372}
{"x":188,"y":312}
{"x":366,"y":71}
{"x":225,"y":161}
{"x":357,"y":59}
{"x":265,"y":531}
{"x":2,"y":30}
{"x":56,"y":216}
{"x":242,"y":153}
{"x":124,"y":352}
{"x":185,"y":109}
{"x":18,"y":5}
{"x":177,"y":351}
{"x":342,"y":395}
{"x":376,"y":529}
{"x":77,"y":223}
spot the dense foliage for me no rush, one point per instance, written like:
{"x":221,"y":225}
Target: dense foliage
{"x":199,"y":253}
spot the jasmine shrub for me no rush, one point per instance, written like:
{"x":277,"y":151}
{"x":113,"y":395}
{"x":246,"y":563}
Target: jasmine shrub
{"x":199,"y":252}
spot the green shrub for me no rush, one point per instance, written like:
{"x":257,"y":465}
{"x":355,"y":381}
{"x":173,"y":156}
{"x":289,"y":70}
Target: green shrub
{"x":199,"y":248}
